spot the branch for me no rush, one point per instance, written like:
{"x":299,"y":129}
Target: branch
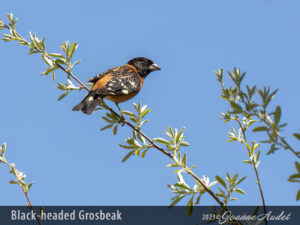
{"x":56,"y":64}
{"x":284,"y":143}
{"x":20,"y":177}
{"x":255,"y":170}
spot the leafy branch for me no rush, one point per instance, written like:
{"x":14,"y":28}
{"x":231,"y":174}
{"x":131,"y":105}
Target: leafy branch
{"x":295,"y":178}
{"x":249,"y":107}
{"x":19,"y":179}
{"x":244,"y":104}
{"x":139,"y":142}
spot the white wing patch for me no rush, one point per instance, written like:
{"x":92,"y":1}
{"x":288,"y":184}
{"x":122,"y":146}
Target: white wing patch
{"x":125,"y":92}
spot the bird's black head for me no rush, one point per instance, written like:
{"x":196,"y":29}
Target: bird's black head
{"x":143,"y":65}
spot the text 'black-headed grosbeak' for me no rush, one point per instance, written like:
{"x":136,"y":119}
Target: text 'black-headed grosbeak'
{"x":118,"y":84}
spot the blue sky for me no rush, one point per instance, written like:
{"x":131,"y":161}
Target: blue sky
{"x":73,"y":163}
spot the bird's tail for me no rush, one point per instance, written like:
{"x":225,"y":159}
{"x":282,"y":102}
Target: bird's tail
{"x":89,"y":103}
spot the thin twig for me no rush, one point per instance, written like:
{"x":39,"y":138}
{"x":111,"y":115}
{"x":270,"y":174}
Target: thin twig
{"x":255,"y":170}
{"x":26,"y":195}
{"x":285,"y":144}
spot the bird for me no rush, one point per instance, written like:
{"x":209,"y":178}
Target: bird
{"x":118,"y":84}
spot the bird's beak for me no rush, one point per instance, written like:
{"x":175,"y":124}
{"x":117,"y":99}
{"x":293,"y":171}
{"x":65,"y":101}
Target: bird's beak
{"x":154,"y":67}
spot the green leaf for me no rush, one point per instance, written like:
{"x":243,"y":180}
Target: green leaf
{"x":141,"y":138}
{"x":198,"y":199}
{"x":297,"y":166}
{"x":184,"y":159}
{"x":171,"y":132}
{"x":298,"y":195}
{"x":60,"y":61}
{"x":183,"y":186}
{"x":221,"y":181}
{"x":75,"y":63}
{"x":107,"y":127}
{"x":176,"y":201}
{"x":258,"y":154}
{"x":115,"y":130}
{"x":184,"y":143}
{"x":107,"y":120}
{"x":161,"y":141}
{"x":29,"y":185}
{"x":277,"y":115}
{"x":53,"y":75}
{"x":173,"y":165}
{"x":179,"y":136}
{"x":297,"y":136}
{"x":240,"y":180}
{"x":56,"y":55}
{"x":13,"y":182}
{"x":234,"y":178}
{"x":128,"y":155}
{"x":3,"y":148}
{"x":128,"y":113}
{"x":64,"y":95}
{"x":190,"y":206}
{"x":144,"y":153}
{"x":262,"y":128}
{"x":273,"y":148}
{"x":73,"y":48}
{"x":239,"y":190}
{"x":236,"y":107}
{"x":137,"y":151}
{"x":47,"y":61}
{"x":124,"y":146}
{"x":247,"y":161}
{"x":49,"y":70}
{"x":294,"y":181}
{"x":220,"y":195}
{"x":145,"y":113}
{"x":295,"y":176}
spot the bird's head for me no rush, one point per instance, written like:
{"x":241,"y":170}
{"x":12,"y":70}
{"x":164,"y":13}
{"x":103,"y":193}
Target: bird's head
{"x":143,"y":65}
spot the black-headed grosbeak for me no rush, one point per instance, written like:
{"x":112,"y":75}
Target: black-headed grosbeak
{"x":118,"y":84}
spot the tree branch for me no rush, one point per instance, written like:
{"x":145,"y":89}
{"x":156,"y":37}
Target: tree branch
{"x":255,"y":170}
{"x":104,"y":105}
{"x":285,"y":144}
{"x":37,"y":217}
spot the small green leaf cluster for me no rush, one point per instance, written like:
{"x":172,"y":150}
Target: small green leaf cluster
{"x":229,"y":188}
{"x":243,"y":103}
{"x":137,"y":144}
{"x":68,"y":87}
{"x":175,"y":142}
{"x":254,"y":157}
{"x":249,"y":105}
{"x":58,"y":58}
{"x":53,"y":60}
{"x":295,"y":178}
{"x":113,"y":121}
{"x":181,"y":189}
{"x":141,"y":112}
{"x":2,"y":154}
{"x":13,"y":36}
{"x":20,"y":177}
{"x":2,"y":25}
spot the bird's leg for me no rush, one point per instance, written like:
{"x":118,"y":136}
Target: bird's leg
{"x":122,"y":118}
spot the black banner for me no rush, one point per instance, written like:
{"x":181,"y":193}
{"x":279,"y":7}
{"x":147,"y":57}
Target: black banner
{"x":147,"y":215}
